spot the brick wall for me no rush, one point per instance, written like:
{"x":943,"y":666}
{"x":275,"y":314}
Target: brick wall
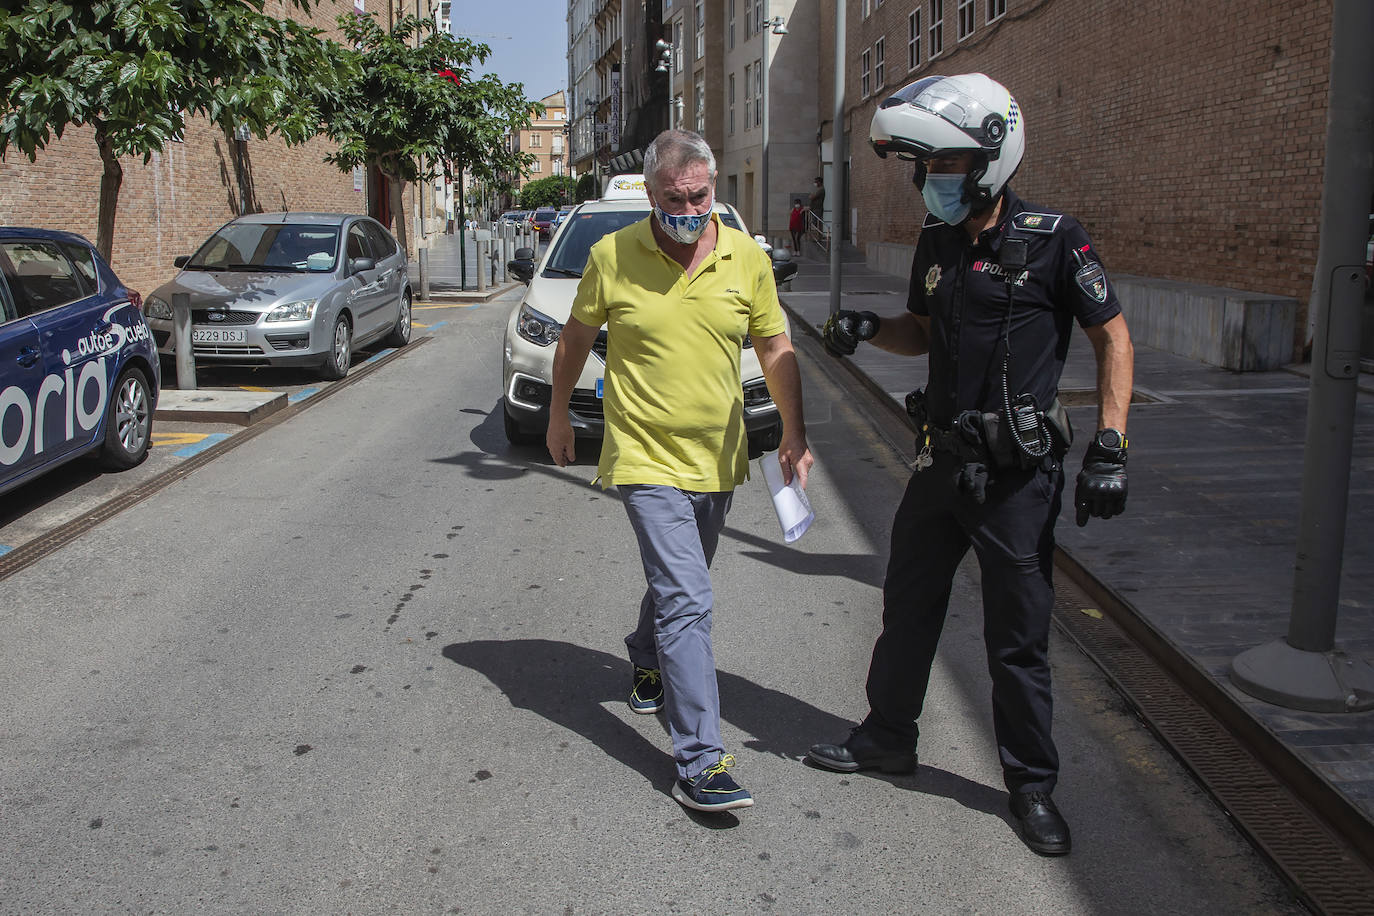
{"x":1188,"y":137}
{"x":168,"y":206}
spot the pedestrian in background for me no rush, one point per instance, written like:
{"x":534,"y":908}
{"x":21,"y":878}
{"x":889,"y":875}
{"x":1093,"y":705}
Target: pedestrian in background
{"x":678,"y":292}
{"x":818,"y":199}
{"x":796,"y":224}
{"x":996,"y":286}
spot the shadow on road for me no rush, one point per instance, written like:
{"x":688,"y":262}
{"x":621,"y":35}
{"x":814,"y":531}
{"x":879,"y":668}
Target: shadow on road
{"x":569,"y":685}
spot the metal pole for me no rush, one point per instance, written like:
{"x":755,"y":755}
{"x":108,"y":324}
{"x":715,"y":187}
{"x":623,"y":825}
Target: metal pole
{"x":1304,"y":671}
{"x":763,"y":137}
{"x":837,"y":154}
{"x":423,"y":257}
{"x":181,"y":329}
{"x":462,"y":244}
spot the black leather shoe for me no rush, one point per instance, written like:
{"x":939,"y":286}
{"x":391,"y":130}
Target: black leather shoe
{"x":1040,"y":824}
{"x":861,"y":752}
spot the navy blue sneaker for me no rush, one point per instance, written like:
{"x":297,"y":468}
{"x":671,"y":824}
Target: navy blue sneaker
{"x":713,"y":789}
{"x":646,"y":697}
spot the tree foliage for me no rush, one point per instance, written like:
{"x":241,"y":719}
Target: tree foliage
{"x":586,"y":187}
{"x":411,"y":106}
{"x":553,"y":191}
{"x":133,"y":70}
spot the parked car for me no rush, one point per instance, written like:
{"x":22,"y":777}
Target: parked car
{"x":535,"y":323}
{"x":289,"y":289}
{"x":78,"y":371}
{"x":543,"y":221}
{"x":562,"y":216}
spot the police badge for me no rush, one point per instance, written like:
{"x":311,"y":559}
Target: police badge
{"x":932,"y":279}
{"x":1092,"y":279}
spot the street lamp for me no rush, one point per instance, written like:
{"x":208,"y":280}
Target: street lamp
{"x":774,"y":26}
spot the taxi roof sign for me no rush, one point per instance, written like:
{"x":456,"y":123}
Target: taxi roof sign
{"x":626,"y":187}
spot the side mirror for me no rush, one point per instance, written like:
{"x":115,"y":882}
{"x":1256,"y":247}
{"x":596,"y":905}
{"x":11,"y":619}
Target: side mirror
{"x":181,"y":261}
{"x":358,"y":265}
{"x":783,"y":271}
{"x":522,"y":268}
{"x":524,"y":254}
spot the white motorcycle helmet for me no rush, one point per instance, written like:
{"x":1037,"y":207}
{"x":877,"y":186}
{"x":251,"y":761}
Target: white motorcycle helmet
{"x":940,"y":115}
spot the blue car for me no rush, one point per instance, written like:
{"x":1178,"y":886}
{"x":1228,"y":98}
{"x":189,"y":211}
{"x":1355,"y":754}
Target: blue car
{"x":79,"y":372}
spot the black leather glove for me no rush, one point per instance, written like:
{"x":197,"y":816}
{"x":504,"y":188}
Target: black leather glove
{"x":1101,"y":490}
{"x":843,"y":330}
{"x":973,"y":480}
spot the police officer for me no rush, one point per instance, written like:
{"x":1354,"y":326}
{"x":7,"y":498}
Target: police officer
{"x":996,"y":286}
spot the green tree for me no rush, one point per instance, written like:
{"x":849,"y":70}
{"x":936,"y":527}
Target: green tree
{"x":586,"y":188}
{"x":410,"y":107}
{"x":135,"y":69}
{"x":553,"y":191}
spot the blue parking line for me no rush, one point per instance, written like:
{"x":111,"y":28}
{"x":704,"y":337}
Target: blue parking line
{"x":192,"y":450}
{"x":4,"y":549}
{"x":437,"y":324}
{"x":301,"y":395}
{"x":378,"y":356}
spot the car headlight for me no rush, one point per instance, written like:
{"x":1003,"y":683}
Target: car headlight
{"x":154,"y":307}
{"x":536,"y":327}
{"x":293,"y":311}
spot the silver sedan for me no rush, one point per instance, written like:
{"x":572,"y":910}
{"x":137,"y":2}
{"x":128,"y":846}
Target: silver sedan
{"x":289,"y":289}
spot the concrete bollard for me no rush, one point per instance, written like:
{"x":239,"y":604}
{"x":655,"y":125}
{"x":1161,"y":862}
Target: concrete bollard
{"x":481,"y":274}
{"x":423,"y":257}
{"x":181,"y":330}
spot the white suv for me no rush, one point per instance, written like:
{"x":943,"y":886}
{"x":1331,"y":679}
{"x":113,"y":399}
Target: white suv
{"x":535,"y":323}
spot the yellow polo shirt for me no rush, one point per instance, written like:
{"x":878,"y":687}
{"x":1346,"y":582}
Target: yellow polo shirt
{"x":673,"y":399}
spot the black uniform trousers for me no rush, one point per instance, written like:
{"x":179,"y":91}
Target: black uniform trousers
{"x":1012,"y":534}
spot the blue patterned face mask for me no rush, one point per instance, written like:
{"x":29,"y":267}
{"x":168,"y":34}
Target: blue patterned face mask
{"x":944,"y":197}
{"x":685,"y":229}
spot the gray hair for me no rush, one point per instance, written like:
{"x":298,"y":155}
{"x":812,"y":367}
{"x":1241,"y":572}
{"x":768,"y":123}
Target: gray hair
{"x":674,"y":150}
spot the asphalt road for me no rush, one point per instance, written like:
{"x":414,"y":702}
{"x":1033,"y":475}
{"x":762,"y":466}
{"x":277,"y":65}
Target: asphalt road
{"x":370,"y":661}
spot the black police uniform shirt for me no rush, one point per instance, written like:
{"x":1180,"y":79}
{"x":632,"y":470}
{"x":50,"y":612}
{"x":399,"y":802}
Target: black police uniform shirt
{"x":963,"y":289}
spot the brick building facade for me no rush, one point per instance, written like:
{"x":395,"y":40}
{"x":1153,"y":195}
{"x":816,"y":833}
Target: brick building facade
{"x":1188,"y":138}
{"x":167,"y":207}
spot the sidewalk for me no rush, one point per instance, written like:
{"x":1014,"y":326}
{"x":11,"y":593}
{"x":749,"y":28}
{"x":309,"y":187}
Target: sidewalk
{"x":1206,"y":550}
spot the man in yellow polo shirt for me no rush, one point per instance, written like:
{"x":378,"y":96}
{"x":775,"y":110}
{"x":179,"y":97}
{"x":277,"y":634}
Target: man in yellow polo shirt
{"x":678,"y":292}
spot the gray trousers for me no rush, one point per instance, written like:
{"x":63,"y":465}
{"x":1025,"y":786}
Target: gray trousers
{"x":678,"y":531}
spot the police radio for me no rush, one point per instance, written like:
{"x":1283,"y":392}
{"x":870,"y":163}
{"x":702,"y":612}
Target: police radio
{"x":1021,"y":417}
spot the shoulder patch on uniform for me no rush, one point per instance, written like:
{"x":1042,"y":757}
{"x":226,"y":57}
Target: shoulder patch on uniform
{"x":1044,"y":223}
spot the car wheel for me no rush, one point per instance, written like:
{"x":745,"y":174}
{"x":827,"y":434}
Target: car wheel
{"x":515,"y":434}
{"x":128,"y":422}
{"x":340,"y":358}
{"x":400,"y":335}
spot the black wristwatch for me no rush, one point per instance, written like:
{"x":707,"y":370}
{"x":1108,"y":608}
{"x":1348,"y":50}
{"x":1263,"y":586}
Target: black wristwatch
{"x":1109,"y":438}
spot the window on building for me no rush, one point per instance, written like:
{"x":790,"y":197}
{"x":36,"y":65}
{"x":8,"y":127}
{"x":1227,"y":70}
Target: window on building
{"x":730,"y":32}
{"x":879,"y":65}
{"x":699,"y":102}
{"x":677,"y":45}
{"x":701,"y":29}
{"x":748,"y":96}
{"x":557,"y":144}
{"x":996,"y":9}
{"x":749,"y":19}
{"x":558,"y":166}
{"x":758,"y":89}
{"x":536,"y":141}
{"x":535,"y":166}
{"x":937,"y":27}
{"x":730,"y":103}
{"x":866,"y":74}
{"x":965,"y":10}
{"x":865,"y":8}
{"x":913,"y":40}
